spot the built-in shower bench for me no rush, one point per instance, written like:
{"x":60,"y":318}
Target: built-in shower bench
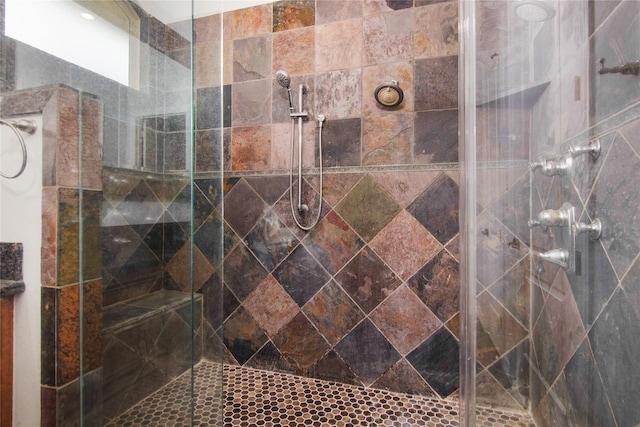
{"x":148,"y":341}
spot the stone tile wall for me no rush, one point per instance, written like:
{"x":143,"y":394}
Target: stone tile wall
{"x":583,"y":324}
{"x":371,"y":295}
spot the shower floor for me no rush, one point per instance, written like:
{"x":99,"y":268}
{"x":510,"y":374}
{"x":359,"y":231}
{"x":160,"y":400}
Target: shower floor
{"x":260,"y":398}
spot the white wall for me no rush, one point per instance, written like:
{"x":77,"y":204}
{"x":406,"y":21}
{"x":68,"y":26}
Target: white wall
{"x":21,"y":222}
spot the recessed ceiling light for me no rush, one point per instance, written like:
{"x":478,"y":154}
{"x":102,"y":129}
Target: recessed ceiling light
{"x":88,"y":16}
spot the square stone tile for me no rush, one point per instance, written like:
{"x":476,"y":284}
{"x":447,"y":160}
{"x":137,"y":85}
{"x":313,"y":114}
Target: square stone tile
{"x":367,"y":352}
{"x":388,"y":37}
{"x":436,"y":30}
{"x":437,"y":361}
{"x":367,"y":280}
{"x":403,"y":378}
{"x":333,"y":312}
{"x":341,"y":142}
{"x":339,"y":45}
{"x":252,"y":58}
{"x":333,"y":243}
{"x":291,"y":14}
{"x":339,"y":93}
{"x":338,"y":185}
{"x":368,"y":208}
{"x":404,"y":320}
{"x":269,"y":188}
{"x":436,"y":83}
{"x":242,"y":335}
{"x":243,"y":272}
{"x":301,"y":275}
{"x":406,"y":236}
{"x":387,"y":139}
{"x":301,"y":343}
{"x":271,"y":241}
{"x":271,"y":306}
{"x":437,"y":208}
{"x":437,"y":284}
{"x":243,"y":208}
{"x":436,"y":136}
{"x":294,"y":51}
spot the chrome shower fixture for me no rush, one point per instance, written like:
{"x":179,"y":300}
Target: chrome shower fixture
{"x":534,"y":10}
{"x":282,"y":77}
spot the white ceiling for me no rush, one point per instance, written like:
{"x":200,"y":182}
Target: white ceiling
{"x":169,"y":11}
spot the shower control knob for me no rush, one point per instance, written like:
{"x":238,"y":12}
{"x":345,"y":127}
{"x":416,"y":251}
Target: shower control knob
{"x":559,"y":167}
{"x":551,"y":218}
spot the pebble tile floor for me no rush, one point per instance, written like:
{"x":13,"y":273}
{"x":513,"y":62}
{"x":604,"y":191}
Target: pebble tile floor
{"x":260,"y":398}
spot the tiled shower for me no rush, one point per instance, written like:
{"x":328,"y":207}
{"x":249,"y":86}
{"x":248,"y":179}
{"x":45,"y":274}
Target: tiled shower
{"x":197,"y":257}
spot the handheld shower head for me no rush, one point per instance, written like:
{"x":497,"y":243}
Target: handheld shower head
{"x":282,"y":77}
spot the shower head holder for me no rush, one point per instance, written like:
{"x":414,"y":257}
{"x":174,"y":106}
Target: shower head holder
{"x":389,"y":94}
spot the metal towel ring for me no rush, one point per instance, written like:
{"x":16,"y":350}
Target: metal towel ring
{"x":22,"y":125}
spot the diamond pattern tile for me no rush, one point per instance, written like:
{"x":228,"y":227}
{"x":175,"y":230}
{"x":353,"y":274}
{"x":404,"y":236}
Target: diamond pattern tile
{"x":615,"y":200}
{"x":437,"y":208}
{"x":180,"y":268}
{"x":332,"y":242}
{"x":367,"y":352}
{"x":301,"y":275}
{"x":269,"y":188}
{"x":333,"y":312}
{"x":405,"y":235}
{"x":437,"y":284}
{"x":271,"y":306}
{"x":140,"y":208}
{"x":498,"y":249}
{"x":242,"y":335}
{"x":243,"y":208}
{"x":503,"y":329}
{"x":367,"y":280}
{"x":436,"y":360}
{"x":368,"y":208}
{"x":270,"y":240}
{"x":243,"y":272}
{"x":404,"y":320}
{"x":301,"y":343}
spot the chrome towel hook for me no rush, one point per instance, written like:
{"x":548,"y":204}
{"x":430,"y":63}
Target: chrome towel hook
{"x":27,"y":126}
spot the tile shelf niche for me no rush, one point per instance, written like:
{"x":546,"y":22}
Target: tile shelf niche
{"x":524,"y":96}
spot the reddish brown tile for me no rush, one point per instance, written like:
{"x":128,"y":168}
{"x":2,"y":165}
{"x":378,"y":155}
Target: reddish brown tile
{"x":388,"y":37}
{"x":251,"y":21}
{"x":405,"y":235}
{"x":333,"y":312}
{"x":271,"y":306}
{"x":367,"y":279}
{"x":333,"y":242}
{"x":387,"y":139}
{"x":291,"y":14}
{"x":404,"y":320}
{"x":300,"y":343}
{"x":294,"y":51}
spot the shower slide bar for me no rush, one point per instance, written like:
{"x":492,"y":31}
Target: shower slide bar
{"x":18,"y":126}
{"x":283,"y":80}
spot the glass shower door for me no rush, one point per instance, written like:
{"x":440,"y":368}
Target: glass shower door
{"x":554,"y":166}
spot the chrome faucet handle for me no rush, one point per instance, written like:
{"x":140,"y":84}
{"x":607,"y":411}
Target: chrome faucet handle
{"x":533,"y":166}
{"x":561,"y":167}
{"x":535,"y":223}
{"x":593,"y":148}
{"x":559,"y":257}
{"x":552,"y":218}
{"x":594,"y":229}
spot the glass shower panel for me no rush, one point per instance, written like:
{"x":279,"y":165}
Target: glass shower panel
{"x":505,"y":89}
{"x":126,"y":259}
{"x":557,"y":158}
